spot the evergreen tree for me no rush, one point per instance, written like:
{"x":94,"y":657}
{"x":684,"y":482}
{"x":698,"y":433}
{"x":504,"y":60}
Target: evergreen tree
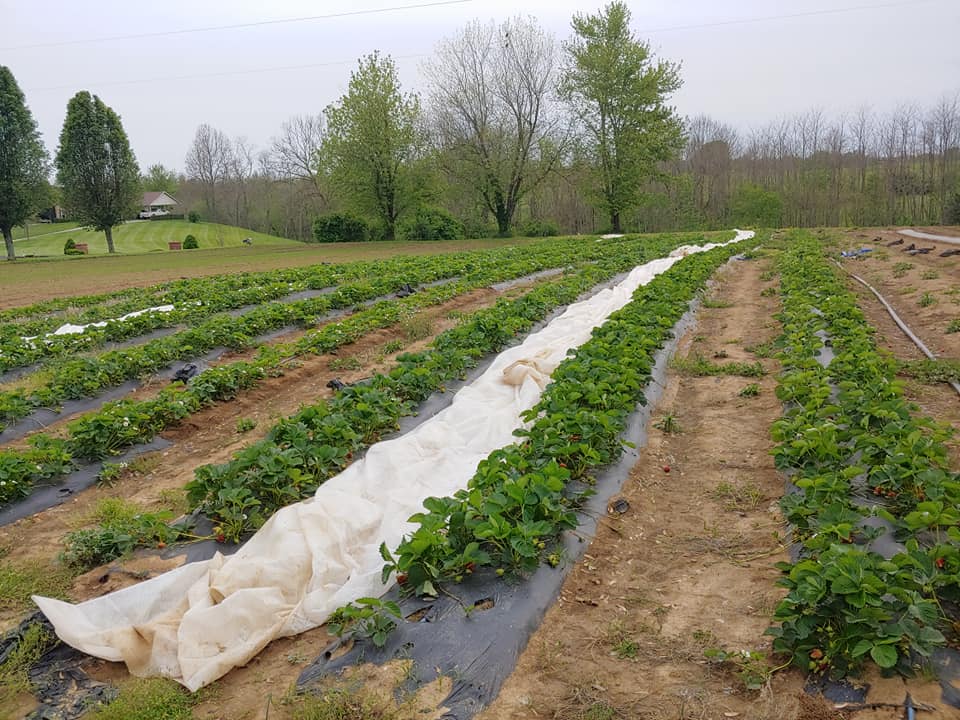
{"x":24,"y":162}
{"x":95,"y":166}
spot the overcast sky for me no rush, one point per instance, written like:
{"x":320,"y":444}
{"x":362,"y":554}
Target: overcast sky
{"x":743,"y":73}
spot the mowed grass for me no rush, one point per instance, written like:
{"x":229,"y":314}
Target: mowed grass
{"x":146,"y":236}
{"x":37,"y":229}
{"x":30,"y":280}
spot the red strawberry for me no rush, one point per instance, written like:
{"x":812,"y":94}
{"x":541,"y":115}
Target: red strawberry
{"x":221,"y":538}
{"x":401,"y":578}
{"x":666,"y":468}
{"x":941,"y":562}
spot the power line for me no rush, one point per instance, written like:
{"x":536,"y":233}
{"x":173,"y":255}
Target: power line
{"x":333,"y":63}
{"x":225,"y":73}
{"x":789,"y":16}
{"x":238,"y":26}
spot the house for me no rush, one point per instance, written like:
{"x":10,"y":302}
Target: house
{"x":157,"y":204}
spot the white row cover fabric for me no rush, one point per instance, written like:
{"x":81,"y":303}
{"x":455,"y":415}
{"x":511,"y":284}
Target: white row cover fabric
{"x":910,"y":232}
{"x":195,"y":623}
{"x":69,"y":329}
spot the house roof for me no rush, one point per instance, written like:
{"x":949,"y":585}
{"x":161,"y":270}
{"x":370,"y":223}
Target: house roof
{"x":157,"y":198}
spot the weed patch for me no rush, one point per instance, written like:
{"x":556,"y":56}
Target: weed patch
{"x":699,"y":366}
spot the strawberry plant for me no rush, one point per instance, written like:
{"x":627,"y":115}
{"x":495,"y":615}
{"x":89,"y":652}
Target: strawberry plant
{"x":865,"y":465}
{"x":523,"y":496}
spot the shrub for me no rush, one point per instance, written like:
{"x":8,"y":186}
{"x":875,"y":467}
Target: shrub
{"x":193,"y":216}
{"x":70,"y":248}
{"x":430,"y":224}
{"x":340,"y":227}
{"x":476,"y":228}
{"x":540,"y":228}
{"x":190,"y":243}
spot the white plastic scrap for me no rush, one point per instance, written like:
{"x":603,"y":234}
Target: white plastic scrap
{"x":195,"y":623}
{"x":69,"y":329}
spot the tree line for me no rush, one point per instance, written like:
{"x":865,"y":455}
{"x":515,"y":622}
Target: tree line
{"x":515,"y":132}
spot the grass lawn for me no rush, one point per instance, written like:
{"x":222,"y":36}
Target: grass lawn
{"x":30,"y":280}
{"x":146,"y":236}
{"x":37,"y":229}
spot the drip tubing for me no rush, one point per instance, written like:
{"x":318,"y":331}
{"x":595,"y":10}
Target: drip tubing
{"x":900,"y":323}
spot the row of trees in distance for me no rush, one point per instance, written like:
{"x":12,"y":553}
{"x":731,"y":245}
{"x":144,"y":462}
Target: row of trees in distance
{"x":513,"y":127}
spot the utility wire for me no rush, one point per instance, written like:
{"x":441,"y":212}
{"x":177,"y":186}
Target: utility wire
{"x":332,"y":63}
{"x":238,"y":26}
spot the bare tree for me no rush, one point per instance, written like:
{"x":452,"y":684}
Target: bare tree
{"x":208,"y":162}
{"x":490,"y":96}
{"x":295,"y":153}
{"x":241,"y":160}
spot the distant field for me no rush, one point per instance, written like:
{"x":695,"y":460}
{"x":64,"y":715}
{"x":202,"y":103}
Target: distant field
{"x":37,"y":229}
{"x":30,"y":280}
{"x":146,"y":236}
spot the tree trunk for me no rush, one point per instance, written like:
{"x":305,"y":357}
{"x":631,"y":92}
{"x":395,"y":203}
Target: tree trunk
{"x":615,"y":226}
{"x":8,"y":241}
{"x":503,"y":220}
{"x":109,"y":233}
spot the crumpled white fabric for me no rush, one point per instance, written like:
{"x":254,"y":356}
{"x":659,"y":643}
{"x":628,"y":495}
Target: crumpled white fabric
{"x":195,"y":623}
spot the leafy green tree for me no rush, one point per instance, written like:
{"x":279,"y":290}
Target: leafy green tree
{"x":618,"y":92}
{"x":24,"y":162}
{"x":95,"y":166}
{"x":373,"y":144}
{"x":160,"y":179}
{"x":753,"y":205}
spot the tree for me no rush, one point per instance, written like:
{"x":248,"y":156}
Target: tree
{"x":752,"y":205}
{"x":490,"y":97}
{"x":208,"y":162}
{"x":295,"y":154}
{"x":24,"y":162}
{"x":95,"y":166}
{"x":374,"y":143}
{"x":160,"y":179}
{"x":614,"y":87}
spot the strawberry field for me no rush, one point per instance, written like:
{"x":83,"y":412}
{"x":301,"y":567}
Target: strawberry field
{"x":838,"y":516}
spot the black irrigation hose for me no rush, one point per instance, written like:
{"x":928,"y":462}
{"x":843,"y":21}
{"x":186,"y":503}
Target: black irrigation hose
{"x":900,"y":323}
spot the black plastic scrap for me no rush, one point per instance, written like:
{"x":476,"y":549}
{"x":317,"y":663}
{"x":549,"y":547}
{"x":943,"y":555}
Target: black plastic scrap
{"x":184,"y":373}
{"x":406,"y":290}
{"x":62,"y":688}
{"x":336,"y":384}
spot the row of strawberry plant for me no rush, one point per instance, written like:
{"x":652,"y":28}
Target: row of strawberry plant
{"x":45,"y":316}
{"x":525,"y":495}
{"x":876,"y":514}
{"x":87,"y":376}
{"x":80,"y":310}
{"x":22,"y":345}
{"x":124,"y":423}
{"x":302,"y":451}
